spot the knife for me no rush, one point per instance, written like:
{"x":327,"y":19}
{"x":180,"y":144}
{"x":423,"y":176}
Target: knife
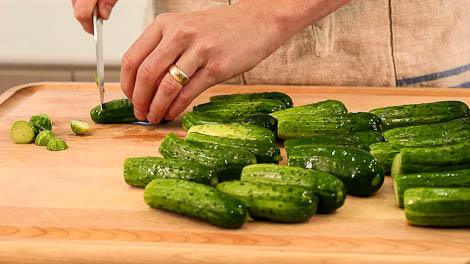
{"x":97,"y":35}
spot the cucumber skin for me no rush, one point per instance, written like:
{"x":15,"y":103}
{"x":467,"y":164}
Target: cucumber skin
{"x":403,"y":182}
{"x":328,"y":107}
{"x":43,"y":138}
{"x":191,"y":119}
{"x":40,"y":123}
{"x":115,"y":111}
{"x":140,"y":171}
{"x":430,"y":135}
{"x":288,"y":204}
{"x":308,"y":125}
{"x":384,"y":152}
{"x":420,"y":114}
{"x":360,"y":140}
{"x":439,"y":207}
{"x":226,"y":163}
{"x":196,"y":200}
{"x":356,"y":168}
{"x":24,"y":138}
{"x":235,"y":131}
{"x":56,"y":144}
{"x":265,"y":152}
{"x":441,"y":155}
{"x":282,"y":97}
{"x":330,"y":190}
{"x":240,"y":108}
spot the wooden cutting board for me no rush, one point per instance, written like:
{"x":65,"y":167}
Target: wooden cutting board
{"x":74,"y":207}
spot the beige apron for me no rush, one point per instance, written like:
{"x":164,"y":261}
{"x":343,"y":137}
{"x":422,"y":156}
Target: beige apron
{"x":366,"y":43}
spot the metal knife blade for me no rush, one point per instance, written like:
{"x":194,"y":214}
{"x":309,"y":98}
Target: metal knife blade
{"x":97,"y":34}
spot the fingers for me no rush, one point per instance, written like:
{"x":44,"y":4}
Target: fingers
{"x":83,"y":12}
{"x":169,"y":88}
{"x":149,"y":72}
{"x":105,"y":7}
{"x":135,"y":55}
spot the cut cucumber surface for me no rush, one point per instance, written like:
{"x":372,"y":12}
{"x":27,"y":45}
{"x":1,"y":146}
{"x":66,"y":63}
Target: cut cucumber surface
{"x":43,"y":138}
{"x":79,"y":127}
{"x":22,"y":132}
{"x":57,"y":144}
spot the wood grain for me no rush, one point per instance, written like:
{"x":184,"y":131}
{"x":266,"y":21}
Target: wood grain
{"x":74,"y":207}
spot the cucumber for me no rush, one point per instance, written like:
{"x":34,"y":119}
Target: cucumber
{"x":235,"y":131}
{"x":40,"y":123}
{"x":403,"y":182}
{"x":329,"y":189}
{"x":420,"y":114}
{"x":450,"y":132}
{"x":384,"y":152}
{"x":360,"y":172}
{"x":289,"y":204}
{"x":115,"y":111}
{"x":56,"y":144}
{"x":191,"y":119}
{"x":22,"y":132}
{"x":196,"y":200}
{"x":282,"y":97}
{"x":443,"y":207}
{"x":226,"y":163}
{"x":43,"y":138}
{"x":231,"y":109}
{"x":328,"y":107}
{"x":290,"y":126}
{"x":265,"y":151}
{"x":360,"y":140}
{"x":79,"y":127}
{"x":140,"y":171}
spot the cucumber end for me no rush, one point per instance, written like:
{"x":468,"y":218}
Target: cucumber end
{"x":79,"y":127}
{"x":43,"y":138}
{"x":22,"y":132}
{"x":57,"y":144}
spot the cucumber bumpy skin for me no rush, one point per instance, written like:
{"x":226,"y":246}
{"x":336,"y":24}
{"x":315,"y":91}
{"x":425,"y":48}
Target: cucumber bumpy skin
{"x":79,"y":127}
{"x":196,"y":200}
{"x":240,"y":108}
{"x":40,"y":123}
{"x":254,"y":96}
{"x":43,"y":138}
{"x":22,"y":132}
{"x":289,"y":204}
{"x":56,"y":144}
{"x":140,"y":171}
{"x":191,"y":119}
{"x":235,"y":131}
{"x":441,"y":207}
{"x":362,"y":139}
{"x":328,"y":107}
{"x":329,"y":189}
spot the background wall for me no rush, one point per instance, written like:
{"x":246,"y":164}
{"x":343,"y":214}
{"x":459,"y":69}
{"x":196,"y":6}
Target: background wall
{"x":42,"y":41}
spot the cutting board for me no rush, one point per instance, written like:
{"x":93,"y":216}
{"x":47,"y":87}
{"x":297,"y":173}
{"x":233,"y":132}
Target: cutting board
{"x":74,"y":207}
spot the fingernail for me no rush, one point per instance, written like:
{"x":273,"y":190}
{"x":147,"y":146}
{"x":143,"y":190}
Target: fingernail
{"x":151,"y":118}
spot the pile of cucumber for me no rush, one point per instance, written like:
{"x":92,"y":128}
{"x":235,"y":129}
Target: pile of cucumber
{"x":426,"y":149}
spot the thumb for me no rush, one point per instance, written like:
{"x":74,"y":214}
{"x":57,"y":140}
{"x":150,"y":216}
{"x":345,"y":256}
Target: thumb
{"x":105,"y":7}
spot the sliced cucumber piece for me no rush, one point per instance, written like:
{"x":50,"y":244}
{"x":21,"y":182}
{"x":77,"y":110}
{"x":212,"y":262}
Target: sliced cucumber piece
{"x":22,"y":132}
{"x":79,"y":127}
{"x":43,"y":138}
{"x":40,"y":123}
{"x":57,"y":144}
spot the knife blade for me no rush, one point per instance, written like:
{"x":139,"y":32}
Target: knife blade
{"x":97,"y":35}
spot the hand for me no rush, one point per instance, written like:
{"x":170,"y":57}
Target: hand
{"x":83,"y":11}
{"x":210,"y":46}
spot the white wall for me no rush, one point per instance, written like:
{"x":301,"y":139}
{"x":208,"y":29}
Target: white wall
{"x":45,"y":32}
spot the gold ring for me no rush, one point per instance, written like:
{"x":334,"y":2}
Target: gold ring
{"x":179,"y":75}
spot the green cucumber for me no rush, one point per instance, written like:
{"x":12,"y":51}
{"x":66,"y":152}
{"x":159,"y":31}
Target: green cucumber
{"x":312,"y":125}
{"x":384,"y":152}
{"x":235,"y":131}
{"x":226,"y":163}
{"x":230,"y":109}
{"x":420,"y":114}
{"x":115,"y":111}
{"x":442,"y":207}
{"x":450,"y":132}
{"x":196,"y":200}
{"x":265,"y":151}
{"x":254,"y":97}
{"x":360,"y":172}
{"x":329,"y":189}
{"x":22,"y":132}
{"x":279,"y":203}
{"x":140,"y":171}
{"x":453,"y":178}
{"x":360,"y":140}
{"x":79,"y":127}
{"x":40,"y":123}
{"x":191,"y":119}
{"x":56,"y":144}
{"x":328,"y":107}
{"x":43,"y":138}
